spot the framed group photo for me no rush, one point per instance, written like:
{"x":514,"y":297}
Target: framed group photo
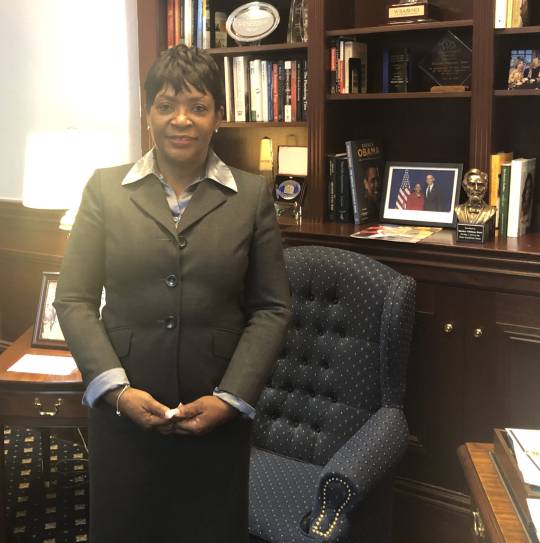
{"x":422,"y":194}
{"x":47,"y":331}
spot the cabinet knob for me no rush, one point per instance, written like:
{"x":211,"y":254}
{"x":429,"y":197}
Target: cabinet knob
{"x":39,"y":406}
{"x":478,"y":332}
{"x":448,"y":327}
{"x":478,"y":525}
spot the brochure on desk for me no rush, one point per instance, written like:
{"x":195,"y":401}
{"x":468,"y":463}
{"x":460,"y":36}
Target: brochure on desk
{"x":526,"y":446}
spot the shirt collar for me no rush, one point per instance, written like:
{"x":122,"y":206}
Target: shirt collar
{"x":216,"y":170}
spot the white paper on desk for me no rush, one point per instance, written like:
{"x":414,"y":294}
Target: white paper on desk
{"x":534,"y":510}
{"x":44,"y":364}
{"x":527,"y":450}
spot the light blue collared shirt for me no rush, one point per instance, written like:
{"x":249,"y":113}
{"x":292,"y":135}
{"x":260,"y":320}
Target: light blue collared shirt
{"x":217,"y":171}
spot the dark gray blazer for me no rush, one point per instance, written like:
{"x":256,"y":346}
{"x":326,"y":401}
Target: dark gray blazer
{"x":188,"y":309}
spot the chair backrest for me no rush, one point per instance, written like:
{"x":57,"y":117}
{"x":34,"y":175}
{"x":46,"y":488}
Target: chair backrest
{"x":345,"y":353}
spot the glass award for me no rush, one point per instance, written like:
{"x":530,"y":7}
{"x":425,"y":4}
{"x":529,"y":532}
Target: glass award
{"x":449,"y":63}
{"x":298,"y":18}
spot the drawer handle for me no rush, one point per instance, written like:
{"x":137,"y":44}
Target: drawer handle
{"x":478,"y":525}
{"x":448,"y":327}
{"x":39,"y":406}
{"x":478,"y":333}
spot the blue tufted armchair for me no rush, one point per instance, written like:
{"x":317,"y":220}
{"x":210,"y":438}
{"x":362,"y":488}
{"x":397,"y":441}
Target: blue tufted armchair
{"x":330,"y":428}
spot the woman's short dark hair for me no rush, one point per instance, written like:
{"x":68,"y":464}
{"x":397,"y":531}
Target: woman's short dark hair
{"x":181,"y":66}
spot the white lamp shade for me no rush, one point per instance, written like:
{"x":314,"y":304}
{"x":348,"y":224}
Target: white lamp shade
{"x":58,"y":165}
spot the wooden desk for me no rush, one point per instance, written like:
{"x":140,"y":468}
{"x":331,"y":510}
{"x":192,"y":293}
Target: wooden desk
{"x":492,"y":506}
{"x":35,"y":401}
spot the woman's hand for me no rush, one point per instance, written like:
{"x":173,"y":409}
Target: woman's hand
{"x":140,"y":407}
{"x":200,"y":417}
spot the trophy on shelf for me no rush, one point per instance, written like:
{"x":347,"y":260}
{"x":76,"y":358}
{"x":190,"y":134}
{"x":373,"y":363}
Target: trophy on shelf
{"x":448,"y":65}
{"x":297,"y":31}
{"x":290,"y":182}
{"x":412,"y":11}
{"x":476,"y":219}
{"x":251,"y":22}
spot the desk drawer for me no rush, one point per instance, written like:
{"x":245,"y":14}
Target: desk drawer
{"x":47,"y":409}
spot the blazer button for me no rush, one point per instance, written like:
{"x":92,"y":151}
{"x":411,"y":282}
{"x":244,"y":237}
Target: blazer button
{"x":171,"y":280}
{"x":170,"y":322}
{"x":182,"y":242}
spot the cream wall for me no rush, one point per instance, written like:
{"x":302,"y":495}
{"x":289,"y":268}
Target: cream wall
{"x":66,"y":65}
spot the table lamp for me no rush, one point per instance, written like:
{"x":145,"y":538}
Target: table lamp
{"x":58,"y":165}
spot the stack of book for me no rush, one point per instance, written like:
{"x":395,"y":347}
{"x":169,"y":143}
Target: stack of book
{"x":354,"y":180}
{"x":512,"y":190}
{"x":348,"y":66}
{"x":195,"y":23}
{"x":265,"y":90}
{"x":511,"y":13}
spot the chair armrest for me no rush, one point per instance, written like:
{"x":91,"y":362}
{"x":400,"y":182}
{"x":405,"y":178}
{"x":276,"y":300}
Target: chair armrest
{"x":371,"y":453}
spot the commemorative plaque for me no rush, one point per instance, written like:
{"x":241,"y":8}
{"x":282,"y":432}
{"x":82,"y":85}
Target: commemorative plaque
{"x":412,"y":11}
{"x":449,"y":63}
{"x":252,"y":22}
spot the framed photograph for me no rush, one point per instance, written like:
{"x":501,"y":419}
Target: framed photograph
{"x":47,"y":332}
{"x":420,"y":193}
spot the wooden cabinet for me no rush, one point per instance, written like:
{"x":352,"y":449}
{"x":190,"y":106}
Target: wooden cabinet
{"x":474,"y":362}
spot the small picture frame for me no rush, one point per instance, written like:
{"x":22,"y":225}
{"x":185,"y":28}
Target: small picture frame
{"x":47,"y":331}
{"x":422,"y":194}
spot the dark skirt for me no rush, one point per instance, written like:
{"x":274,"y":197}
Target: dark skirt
{"x":149,"y":488}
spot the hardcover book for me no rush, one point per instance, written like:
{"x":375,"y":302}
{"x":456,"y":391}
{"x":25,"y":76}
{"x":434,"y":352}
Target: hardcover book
{"x":521,"y":196}
{"x":504,"y":192}
{"x":365,"y":162}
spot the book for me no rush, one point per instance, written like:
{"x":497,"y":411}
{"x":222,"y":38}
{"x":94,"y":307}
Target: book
{"x":331,"y":188}
{"x":229,"y":103}
{"x":265,"y":87}
{"x":521,"y":196}
{"x":496,"y":160}
{"x":241,"y":88}
{"x":255,"y":91}
{"x":355,"y":75}
{"x":504,"y":192}
{"x":287,"y":110}
{"x":170,"y":23}
{"x":500,"y":13}
{"x":344,"y":211}
{"x":365,"y":162}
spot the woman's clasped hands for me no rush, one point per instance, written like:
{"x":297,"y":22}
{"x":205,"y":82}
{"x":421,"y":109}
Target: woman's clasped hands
{"x":195,"y":418}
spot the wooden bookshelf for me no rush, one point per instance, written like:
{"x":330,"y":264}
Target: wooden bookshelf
{"x":398,"y":96}
{"x":460,"y":386}
{"x":260,"y":49}
{"x":522,"y":31}
{"x":424,"y":27}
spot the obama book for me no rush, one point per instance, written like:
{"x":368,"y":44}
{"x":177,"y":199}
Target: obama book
{"x":365,"y":162}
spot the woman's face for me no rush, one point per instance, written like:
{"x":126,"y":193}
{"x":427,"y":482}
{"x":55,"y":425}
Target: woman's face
{"x":182,"y":125}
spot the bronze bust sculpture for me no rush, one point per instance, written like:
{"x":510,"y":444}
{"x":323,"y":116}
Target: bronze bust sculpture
{"x":475,"y":210}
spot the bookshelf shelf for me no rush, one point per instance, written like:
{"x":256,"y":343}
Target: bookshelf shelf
{"x":397,"y":96}
{"x":437,"y":25}
{"x":257,"y":49}
{"x":518,"y":31}
{"x":512,"y":93}
{"x":263,"y":125}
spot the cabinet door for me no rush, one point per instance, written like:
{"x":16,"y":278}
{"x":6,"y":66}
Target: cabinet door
{"x":434,"y":399}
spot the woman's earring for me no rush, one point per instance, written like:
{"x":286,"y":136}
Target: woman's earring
{"x":148,"y":127}
{"x":216,"y":130}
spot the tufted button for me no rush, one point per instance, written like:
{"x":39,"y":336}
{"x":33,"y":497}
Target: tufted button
{"x":288,"y":388}
{"x":295,"y":423}
{"x":182,"y":242}
{"x":325,"y":365}
{"x":170,"y":322}
{"x":171,"y":280}
{"x":316,"y":428}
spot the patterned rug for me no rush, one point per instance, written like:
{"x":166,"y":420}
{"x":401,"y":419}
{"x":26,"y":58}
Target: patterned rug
{"x":40,"y":508}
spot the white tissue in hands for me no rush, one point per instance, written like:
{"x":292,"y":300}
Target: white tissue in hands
{"x":171,"y":413}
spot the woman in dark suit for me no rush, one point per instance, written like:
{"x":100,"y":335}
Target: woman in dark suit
{"x":190,"y":256}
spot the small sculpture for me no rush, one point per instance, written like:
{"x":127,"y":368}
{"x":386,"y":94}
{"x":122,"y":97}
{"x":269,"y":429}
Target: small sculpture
{"x":475,"y":210}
